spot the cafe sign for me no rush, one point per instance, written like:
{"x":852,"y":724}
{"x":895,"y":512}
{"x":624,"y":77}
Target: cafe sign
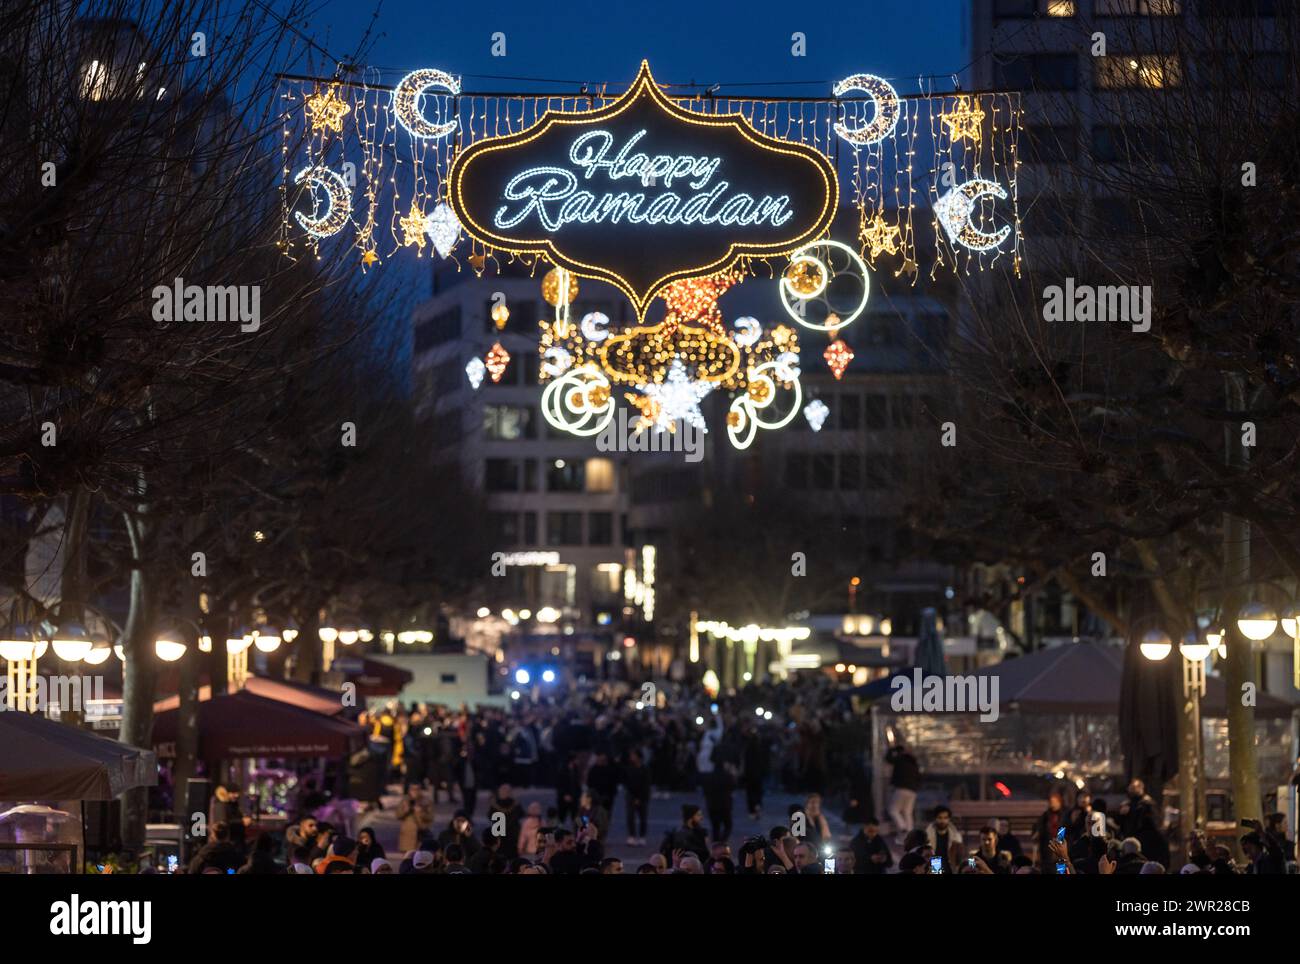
{"x":643,"y":192}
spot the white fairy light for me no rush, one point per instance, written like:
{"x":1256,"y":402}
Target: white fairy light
{"x":593,"y":326}
{"x":750,"y":331}
{"x":406,"y":102}
{"x":338,"y":201}
{"x":955,"y":209}
{"x":816,"y":412}
{"x":474,"y":371}
{"x":884,"y":97}
{"x":443,"y":229}
{"x":677,"y":397}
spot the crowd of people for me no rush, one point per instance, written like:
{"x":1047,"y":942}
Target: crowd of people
{"x":603,"y":761}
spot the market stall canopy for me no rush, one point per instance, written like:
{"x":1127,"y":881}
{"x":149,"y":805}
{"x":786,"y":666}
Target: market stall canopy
{"x":1082,"y":678}
{"x":244,"y":725}
{"x":374,"y":678}
{"x":43,"y":760}
{"x":313,"y":698}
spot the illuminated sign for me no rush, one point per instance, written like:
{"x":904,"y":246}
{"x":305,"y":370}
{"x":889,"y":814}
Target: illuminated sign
{"x":530,"y":558}
{"x":642,"y":192}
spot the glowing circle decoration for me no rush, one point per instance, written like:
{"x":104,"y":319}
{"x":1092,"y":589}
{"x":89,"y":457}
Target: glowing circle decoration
{"x":406,"y":102}
{"x":579,"y":401}
{"x":832,"y":259}
{"x":744,"y":421}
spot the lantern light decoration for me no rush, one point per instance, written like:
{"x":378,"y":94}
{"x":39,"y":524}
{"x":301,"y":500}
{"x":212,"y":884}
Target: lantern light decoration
{"x":838,"y":355}
{"x":559,"y":287}
{"x":496,"y":361}
{"x":443,"y":229}
{"x":500,"y":315}
{"x":474,"y":371}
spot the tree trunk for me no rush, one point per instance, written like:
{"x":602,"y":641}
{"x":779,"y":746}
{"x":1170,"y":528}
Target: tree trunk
{"x":307,"y":666}
{"x":1239,"y":669}
{"x":138,"y":679}
{"x":187,"y":715}
{"x":72,"y":583}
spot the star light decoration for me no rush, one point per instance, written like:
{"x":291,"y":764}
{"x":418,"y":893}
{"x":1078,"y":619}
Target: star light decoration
{"x":326,"y":110}
{"x":816,"y":412}
{"x":838,"y":355}
{"x":414,"y":227}
{"x":965,"y":120}
{"x":662,"y":404}
{"x":880,"y":237}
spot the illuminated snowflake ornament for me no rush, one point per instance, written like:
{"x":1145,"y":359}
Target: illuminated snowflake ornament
{"x":816,"y":412}
{"x":677,"y":397}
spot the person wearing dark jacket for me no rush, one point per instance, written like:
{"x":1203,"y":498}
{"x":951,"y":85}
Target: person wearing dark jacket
{"x":602,"y":781}
{"x":218,"y":852}
{"x":718,"y":786}
{"x":906,"y":781}
{"x":756,"y":761}
{"x":504,"y":802}
{"x":573,"y":853}
{"x":261,"y":860}
{"x":636,"y":781}
{"x":568,"y":787}
{"x":870,"y":852}
{"x":460,"y":831}
{"x":368,"y":848}
{"x":490,"y":848}
{"x":689,"y":836}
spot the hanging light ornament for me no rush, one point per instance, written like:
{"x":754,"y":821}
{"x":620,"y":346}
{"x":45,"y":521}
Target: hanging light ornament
{"x":496,"y":361}
{"x":816,"y":412}
{"x":326,"y":110}
{"x":443,"y":229}
{"x":880,"y":237}
{"x":414,"y":227}
{"x":474,"y":371}
{"x":965,"y":120}
{"x":838,"y":355}
{"x":500,"y":315}
{"x":551,"y":287}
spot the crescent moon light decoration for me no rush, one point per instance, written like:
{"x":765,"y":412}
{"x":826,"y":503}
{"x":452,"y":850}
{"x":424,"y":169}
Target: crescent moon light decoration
{"x":955,"y":209}
{"x":406,"y":102}
{"x":749,"y":331}
{"x":884,"y":96}
{"x":338,"y":201}
{"x":819,"y":254}
{"x":557,"y":361}
{"x":745,"y":424}
{"x":593,"y":326}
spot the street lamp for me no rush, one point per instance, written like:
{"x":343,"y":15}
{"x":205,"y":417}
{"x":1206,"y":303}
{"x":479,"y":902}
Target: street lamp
{"x":169,"y":647}
{"x":1257,"y":621}
{"x":21,"y":647}
{"x":266,"y":638}
{"x":71,"y":641}
{"x":236,"y":661}
{"x":1156,"y":645}
{"x":1291,"y":626}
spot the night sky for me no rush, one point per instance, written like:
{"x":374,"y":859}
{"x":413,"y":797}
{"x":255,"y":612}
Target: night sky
{"x":747,"y":44}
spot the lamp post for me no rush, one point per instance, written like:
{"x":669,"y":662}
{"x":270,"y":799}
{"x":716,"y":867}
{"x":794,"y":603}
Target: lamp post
{"x":21,"y":647}
{"x":1156,"y":646}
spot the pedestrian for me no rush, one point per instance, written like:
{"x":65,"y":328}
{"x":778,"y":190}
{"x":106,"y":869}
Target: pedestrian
{"x":689,"y":837}
{"x":906,"y":781}
{"x":870,"y":851}
{"x":636,"y":783}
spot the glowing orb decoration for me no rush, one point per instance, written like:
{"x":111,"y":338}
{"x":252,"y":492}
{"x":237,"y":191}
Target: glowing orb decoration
{"x":956,"y":208}
{"x":556,"y":361}
{"x":579,"y":401}
{"x":744,"y":419}
{"x":816,"y":412}
{"x":838,"y":355}
{"x":833,"y":259}
{"x":338,"y":201}
{"x":749,"y":331}
{"x":474,"y":371}
{"x":559,"y":287}
{"x":594,"y":325}
{"x":407,"y":98}
{"x":496,"y":361}
{"x":444,"y":231}
{"x":676,"y":398}
{"x":884,"y":97}
{"x":805,"y":277}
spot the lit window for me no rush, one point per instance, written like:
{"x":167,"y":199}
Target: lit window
{"x":94,"y":82}
{"x":1060,"y":8}
{"x":1150,"y":71}
{"x":600,"y":475}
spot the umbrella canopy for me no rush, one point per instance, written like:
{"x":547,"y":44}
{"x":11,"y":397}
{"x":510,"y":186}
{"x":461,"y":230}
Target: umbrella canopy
{"x":43,"y":760}
{"x":314,"y":698}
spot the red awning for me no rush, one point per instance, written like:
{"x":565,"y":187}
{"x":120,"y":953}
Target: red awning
{"x":242,"y":725}
{"x":313,"y":698}
{"x":379,"y":679}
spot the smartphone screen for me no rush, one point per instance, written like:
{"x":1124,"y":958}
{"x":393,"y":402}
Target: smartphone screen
{"x":1060,"y":835}
{"x":970,"y":862}
{"x":172,"y":863}
{"x":230,"y":870}
{"x":936,"y":865}
{"x":829,"y":865}
{"x":1060,"y":867}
